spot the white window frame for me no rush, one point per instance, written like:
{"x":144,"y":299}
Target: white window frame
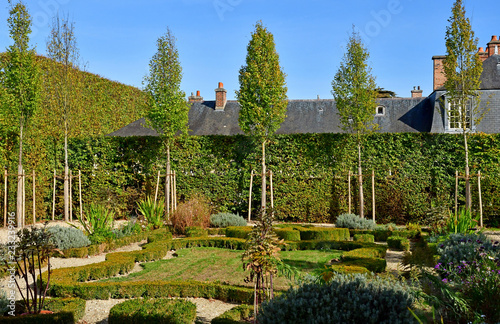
{"x":453,"y":120}
{"x":377,"y":111}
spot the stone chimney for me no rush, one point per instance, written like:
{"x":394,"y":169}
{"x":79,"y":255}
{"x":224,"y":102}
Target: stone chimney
{"x":416,"y":93}
{"x":220,"y":97}
{"x":197,"y":98}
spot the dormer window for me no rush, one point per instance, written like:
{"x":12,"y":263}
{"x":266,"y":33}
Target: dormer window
{"x":456,"y":117}
{"x":380,"y":111}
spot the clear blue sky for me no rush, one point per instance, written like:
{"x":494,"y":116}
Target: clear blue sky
{"x":117,"y":38}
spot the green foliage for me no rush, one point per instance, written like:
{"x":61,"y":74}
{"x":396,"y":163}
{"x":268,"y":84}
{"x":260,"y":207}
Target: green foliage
{"x":227,"y":219}
{"x":262,"y":93}
{"x":4,"y":302}
{"x":152,"y":210}
{"x":67,"y":237}
{"x":398,"y":243}
{"x":345,"y":299}
{"x":235,"y":315}
{"x":288,"y":234}
{"x":98,"y":222}
{"x":165,"y":311}
{"x":463,"y":222}
{"x":168,"y":109}
{"x":364,"y":238}
{"x":354,"y":221}
{"x":322,"y":233}
{"x":196,"y":231}
{"x":238,"y":231}
{"x":465,"y":247}
{"x":131,"y":228}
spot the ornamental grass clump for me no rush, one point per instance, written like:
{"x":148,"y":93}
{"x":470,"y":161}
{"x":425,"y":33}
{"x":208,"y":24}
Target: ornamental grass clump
{"x":354,"y":222}
{"x":194,"y":212}
{"x":227,"y":219}
{"x":353,"y":298}
{"x":152,"y":211}
{"x":67,"y":237}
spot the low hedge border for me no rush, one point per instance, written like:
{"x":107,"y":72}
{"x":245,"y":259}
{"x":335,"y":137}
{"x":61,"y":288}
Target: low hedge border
{"x":398,"y":243}
{"x":324,"y":233}
{"x":364,"y":238}
{"x":161,"y":310}
{"x":104,"y":247}
{"x":238,"y":231}
{"x":72,"y":281}
{"x":288,"y":234}
{"x":234,"y":315}
{"x":66,"y":310}
{"x":196,"y":231}
{"x":217,"y":231}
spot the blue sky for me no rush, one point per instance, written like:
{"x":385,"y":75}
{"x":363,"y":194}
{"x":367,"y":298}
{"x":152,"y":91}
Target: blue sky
{"x":117,"y":38}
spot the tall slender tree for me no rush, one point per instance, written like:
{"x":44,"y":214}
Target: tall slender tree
{"x":355,"y":92}
{"x":21,"y":83}
{"x":63,"y":50}
{"x":262,"y":95}
{"x":168,"y":108}
{"x":462,"y":69}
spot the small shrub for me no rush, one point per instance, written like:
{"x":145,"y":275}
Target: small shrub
{"x":345,"y":299}
{"x":161,"y":310}
{"x":355,"y":222}
{"x":234,"y":315}
{"x":465,"y":247}
{"x":196,"y":231}
{"x":364,"y":238}
{"x":67,"y":237}
{"x":194,"y":212}
{"x":386,"y":227}
{"x":227,"y":219}
{"x":398,"y":243}
{"x":322,"y":233}
{"x":131,"y":228}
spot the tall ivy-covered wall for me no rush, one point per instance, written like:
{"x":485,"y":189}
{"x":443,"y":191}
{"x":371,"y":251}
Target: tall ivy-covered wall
{"x":413,"y":173}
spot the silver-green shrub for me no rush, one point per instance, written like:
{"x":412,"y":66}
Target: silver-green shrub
{"x":4,"y":302}
{"x":354,"y":222}
{"x":345,"y":299}
{"x":227,"y":219}
{"x":67,"y":237}
{"x":465,"y":247}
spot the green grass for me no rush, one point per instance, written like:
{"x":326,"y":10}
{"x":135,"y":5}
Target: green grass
{"x":223,"y":265}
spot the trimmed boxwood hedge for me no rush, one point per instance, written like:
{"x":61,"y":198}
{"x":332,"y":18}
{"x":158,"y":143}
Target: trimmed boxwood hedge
{"x":66,"y":310}
{"x":364,"y":238}
{"x":234,"y":315}
{"x":159,"y":311}
{"x":398,"y":243}
{"x":196,"y":231}
{"x":324,"y":233}
{"x":238,"y":231}
{"x":104,"y":247}
{"x":288,"y":234}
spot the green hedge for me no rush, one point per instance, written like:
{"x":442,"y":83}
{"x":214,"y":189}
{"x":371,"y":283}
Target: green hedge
{"x":310,"y":185}
{"x":398,"y":243}
{"x":235,"y":315}
{"x":196,"y":231}
{"x":66,"y":310}
{"x":161,"y":310}
{"x":104,"y":247}
{"x":364,"y":238}
{"x":238,"y":231}
{"x":288,"y":234}
{"x":324,"y":233}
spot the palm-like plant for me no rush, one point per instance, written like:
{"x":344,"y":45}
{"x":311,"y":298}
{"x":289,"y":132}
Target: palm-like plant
{"x":152,"y":211}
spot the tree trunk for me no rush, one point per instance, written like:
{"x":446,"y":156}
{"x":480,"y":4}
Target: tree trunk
{"x":263,"y":197}
{"x":20,"y":178}
{"x":167,"y":183}
{"x":66,"y":174}
{"x":468,"y":202}
{"x":360,"y":180}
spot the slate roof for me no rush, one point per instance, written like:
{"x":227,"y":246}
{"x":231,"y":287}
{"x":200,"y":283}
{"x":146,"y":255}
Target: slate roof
{"x":303,"y":116}
{"x":490,"y":78}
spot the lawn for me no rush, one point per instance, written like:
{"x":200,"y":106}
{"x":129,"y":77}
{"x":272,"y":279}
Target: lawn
{"x":223,"y":265}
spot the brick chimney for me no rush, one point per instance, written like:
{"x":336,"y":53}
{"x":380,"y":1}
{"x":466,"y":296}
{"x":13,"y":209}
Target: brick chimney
{"x":220,"y":97}
{"x":438,"y":71}
{"x":493,"y":47}
{"x":197,"y":98}
{"x":416,"y":93}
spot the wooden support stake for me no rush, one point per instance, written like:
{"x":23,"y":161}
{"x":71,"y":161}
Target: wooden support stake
{"x":373,"y":195}
{"x":54,"y":197}
{"x":167,"y":192}
{"x":172,"y":190}
{"x":70,"y":195}
{"x":480,"y":198}
{"x":271,"y":187}
{"x":23,"y":175}
{"x":80,"y":191}
{"x":456,"y":192}
{"x":250,"y":197}
{"x":34,"y":199}
{"x":175,"y":191}
{"x":349,"y":189}
{"x":5,"y":200}
{"x":157,"y":186}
